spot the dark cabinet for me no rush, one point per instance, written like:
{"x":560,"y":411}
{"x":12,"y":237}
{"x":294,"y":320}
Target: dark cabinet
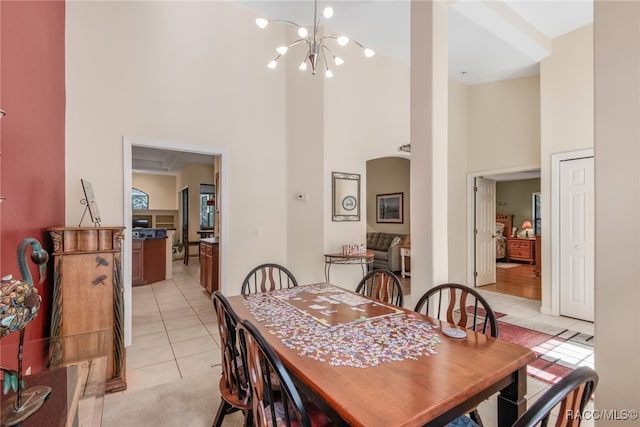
{"x":136,"y":263}
{"x":154,"y":260}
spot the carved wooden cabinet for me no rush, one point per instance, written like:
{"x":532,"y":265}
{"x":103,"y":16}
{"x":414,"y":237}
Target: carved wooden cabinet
{"x":88,"y":291}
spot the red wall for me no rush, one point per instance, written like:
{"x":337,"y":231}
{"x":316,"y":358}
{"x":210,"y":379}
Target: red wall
{"x":32,"y":136}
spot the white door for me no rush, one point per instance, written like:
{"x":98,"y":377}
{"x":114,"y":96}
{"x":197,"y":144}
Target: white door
{"x":485,"y":228}
{"x":577,"y":238}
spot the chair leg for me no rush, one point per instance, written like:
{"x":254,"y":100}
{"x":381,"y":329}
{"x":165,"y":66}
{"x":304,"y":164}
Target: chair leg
{"x":248,"y":418}
{"x":222,"y":411}
{"x":475,"y":417}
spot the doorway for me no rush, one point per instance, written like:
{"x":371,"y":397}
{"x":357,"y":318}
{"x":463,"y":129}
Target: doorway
{"x":573,"y":235}
{"x":186,"y":151}
{"x":508,"y":194}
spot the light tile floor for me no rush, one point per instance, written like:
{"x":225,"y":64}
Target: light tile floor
{"x":175,"y":337}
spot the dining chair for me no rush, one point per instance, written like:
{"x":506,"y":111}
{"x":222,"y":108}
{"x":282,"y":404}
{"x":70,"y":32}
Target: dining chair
{"x":383,"y":285}
{"x":234,"y":389}
{"x":284,"y":406}
{"x":267,"y":277}
{"x":462,"y":306}
{"x":572,"y":394}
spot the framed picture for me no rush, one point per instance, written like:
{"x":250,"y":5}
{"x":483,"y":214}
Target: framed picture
{"x":90,"y":202}
{"x":346,"y":196}
{"x":390,"y":208}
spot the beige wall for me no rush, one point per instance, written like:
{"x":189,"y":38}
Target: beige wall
{"x":160,"y":188}
{"x":385,"y":176}
{"x":196,"y":174}
{"x":503,"y":124}
{"x":617,"y":189}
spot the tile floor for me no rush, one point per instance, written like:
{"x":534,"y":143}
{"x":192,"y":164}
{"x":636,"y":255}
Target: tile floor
{"x":175,"y":337}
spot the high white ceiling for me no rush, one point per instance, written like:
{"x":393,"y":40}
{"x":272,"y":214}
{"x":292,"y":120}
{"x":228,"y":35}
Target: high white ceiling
{"x":489,"y":40}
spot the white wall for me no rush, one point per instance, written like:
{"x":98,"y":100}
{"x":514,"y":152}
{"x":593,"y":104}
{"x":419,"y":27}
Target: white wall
{"x":617,"y":181}
{"x":457,"y":182}
{"x":366,"y":116}
{"x":503,"y":124}
{"x":189,"y":72}
{"x":566,"y":122}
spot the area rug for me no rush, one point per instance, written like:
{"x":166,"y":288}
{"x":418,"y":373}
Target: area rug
{"x":558,"y":350}
{"x":557,"y":353}
{"x":507,"y":264}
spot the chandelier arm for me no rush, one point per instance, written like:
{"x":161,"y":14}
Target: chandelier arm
{"x":324,"y":57}
{"x":297,"y":42}
{"x":286,"y":21}
{"x":324,"y":46}
{"x":335,"y":37}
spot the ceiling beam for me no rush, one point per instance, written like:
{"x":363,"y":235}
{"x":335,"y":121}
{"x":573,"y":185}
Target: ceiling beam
{"x":501,"y":20}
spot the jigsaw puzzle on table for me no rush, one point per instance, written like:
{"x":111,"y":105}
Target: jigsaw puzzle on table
{"x":334,"y":306}
{"x":355,"y":338}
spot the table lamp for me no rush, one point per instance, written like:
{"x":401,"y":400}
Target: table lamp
{"x":526,"y":226}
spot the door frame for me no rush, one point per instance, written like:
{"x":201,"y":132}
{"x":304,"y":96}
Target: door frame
{"x":127,"y":143}
{"x":556,"y":160}
{"x":471,"y":247}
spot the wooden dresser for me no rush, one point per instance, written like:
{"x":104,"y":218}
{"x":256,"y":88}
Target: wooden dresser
{"x":88,"y":291}
{"x":521,"y":249}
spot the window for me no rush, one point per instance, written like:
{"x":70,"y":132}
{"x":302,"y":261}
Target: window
{"x":207,"y":206}
{"x":139,"y":200}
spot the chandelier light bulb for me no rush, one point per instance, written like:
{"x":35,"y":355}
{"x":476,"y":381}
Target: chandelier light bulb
{"x":262,"y":23}
{"x":316,"y":42}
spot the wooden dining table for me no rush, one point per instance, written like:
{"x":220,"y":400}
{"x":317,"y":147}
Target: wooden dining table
{"x":366,"y":363}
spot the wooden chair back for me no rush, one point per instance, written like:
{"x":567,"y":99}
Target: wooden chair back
{"x":272,"y":406}
{"x":463,"y":306}
{"x":234,"y":388}
{"x":571,"y":394}
{"x":382,"y":285}
{"x":267,"y":277}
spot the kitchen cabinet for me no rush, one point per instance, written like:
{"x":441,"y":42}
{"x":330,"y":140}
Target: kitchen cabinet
{"x":136,"y":263}
{"x":209,"y":252}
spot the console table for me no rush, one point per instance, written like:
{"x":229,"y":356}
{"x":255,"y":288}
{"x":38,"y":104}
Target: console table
{"x":405,"y":251}
{"x":362,"y":260}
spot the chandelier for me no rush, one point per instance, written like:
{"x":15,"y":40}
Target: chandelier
{"x":317,"y":48}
